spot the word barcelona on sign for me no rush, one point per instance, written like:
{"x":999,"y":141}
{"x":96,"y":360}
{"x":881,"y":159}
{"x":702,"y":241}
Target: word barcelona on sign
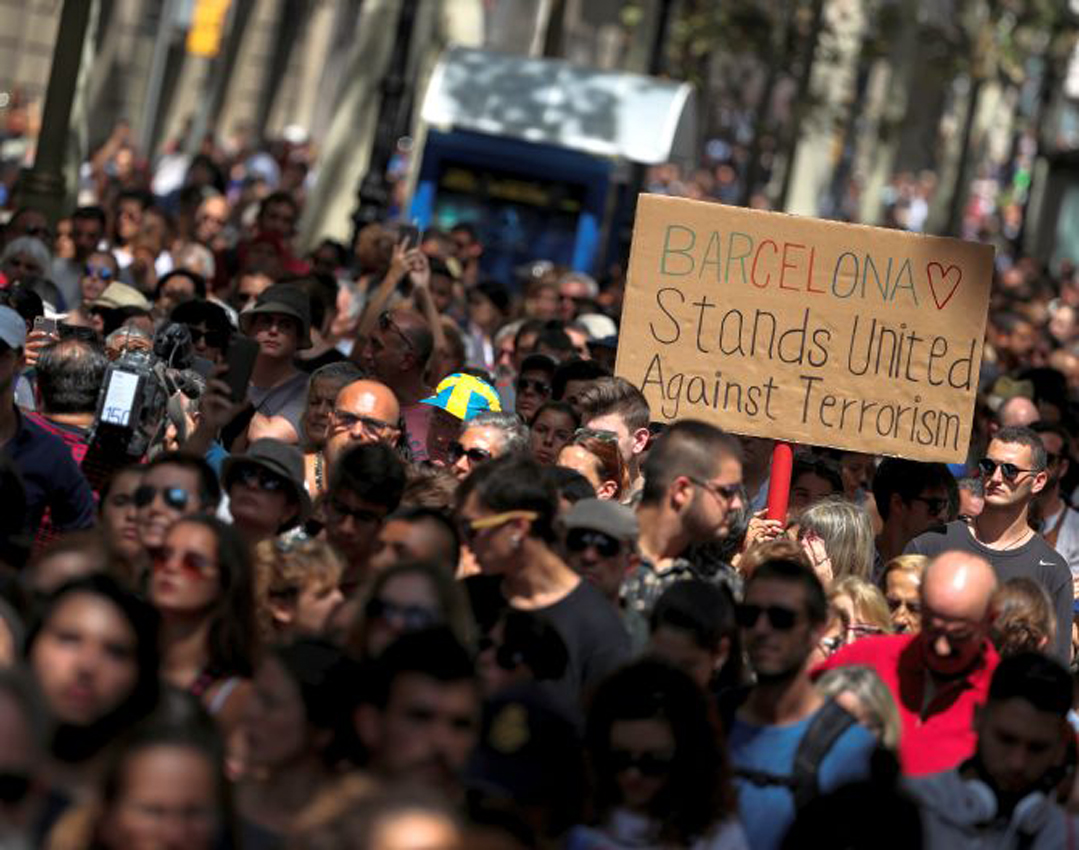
{"x":804,"y":330}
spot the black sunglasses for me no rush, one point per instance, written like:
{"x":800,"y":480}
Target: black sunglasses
{"x":933,"y":504}
{"x":457,"y":451}
{"x":339,"y":511}
{"x":175,"y":497}
{"x":779,"y":618}
{"x":412,"y":617}
{"x":253,"y":476}
{"x":1008,"y":470}
{"x":648,"y":764}
{"x":214,"y":339}
{"x":531,"y":385}
{"x":579,"y":539}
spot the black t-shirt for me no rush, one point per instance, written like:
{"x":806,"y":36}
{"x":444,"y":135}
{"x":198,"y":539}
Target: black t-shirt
{"x":1035,"y":559}
{"x":327,"y":357}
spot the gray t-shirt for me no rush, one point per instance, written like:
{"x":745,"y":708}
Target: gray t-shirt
{"x":287,"y":399}
{"x":1035,"y":559}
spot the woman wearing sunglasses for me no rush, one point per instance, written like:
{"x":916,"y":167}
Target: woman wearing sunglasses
{"x":202,"y":587}
{"x":659,"y":775}
{"x":100,"y":270}
{"x":409,"y":597}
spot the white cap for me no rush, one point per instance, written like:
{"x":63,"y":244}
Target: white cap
{"x":12,"y":328}
{"x":598,"y":325}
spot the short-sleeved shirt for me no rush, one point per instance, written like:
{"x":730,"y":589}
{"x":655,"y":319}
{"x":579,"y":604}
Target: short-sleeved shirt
{"x":937,"y":734}
{"x":51,"y":477}
{"x":1035,"y":559}
{"x":767,"y":811}
{"x":287,"y":399}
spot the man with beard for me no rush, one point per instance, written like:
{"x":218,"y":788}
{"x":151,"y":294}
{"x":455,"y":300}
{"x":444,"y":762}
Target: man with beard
{"x":782,"y":619}
{"x":1014,"y":471}
{"x":692,"y":486}
{"x":420,"y":719}
{"x":1004,"y":795}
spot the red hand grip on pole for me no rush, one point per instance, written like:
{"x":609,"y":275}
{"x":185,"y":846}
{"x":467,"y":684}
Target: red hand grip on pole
{"x":779,"y":484}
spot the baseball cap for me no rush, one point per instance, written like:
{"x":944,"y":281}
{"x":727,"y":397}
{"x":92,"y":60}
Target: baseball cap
{"x":285,"y":300}
{"x":464,"y":396}
{"x":12,"y":328}
{"x":604,"y":515}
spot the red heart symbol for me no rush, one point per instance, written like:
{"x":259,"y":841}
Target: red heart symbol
{"x":943,"y":275}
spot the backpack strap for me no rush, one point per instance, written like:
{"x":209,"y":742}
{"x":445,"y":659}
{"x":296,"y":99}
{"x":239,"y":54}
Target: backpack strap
{"x":824,"y":730}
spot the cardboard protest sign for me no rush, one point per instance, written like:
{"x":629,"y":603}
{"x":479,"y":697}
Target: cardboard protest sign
{"x":804,"y":330}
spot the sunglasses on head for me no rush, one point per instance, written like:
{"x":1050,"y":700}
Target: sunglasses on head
{"x":1009,"y":471}
{"x":648,"y":764}
{"x":779,"y":618}
{"x":474,"y":455}
{"x":412,"y":618}
{"x":595,"y":434}
{"x":579,"y":539}
{"x":261,"y":479}
{"x":175,"y":497}
{"x":525,"y":385}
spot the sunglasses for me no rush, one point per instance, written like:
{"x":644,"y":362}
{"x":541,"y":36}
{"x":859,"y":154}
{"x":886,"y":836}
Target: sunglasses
{"x":1009,"y":471}
{"x":647,"y":764}
{"x":370,"y":426}
{"x":579,"y":539}
{"x":214,"y":339}
{"x":191,"y":563}
{"x":457,"y":451}
{"x":339,"y":511}
{"x":175,"y":497}
{"x":99,"y":272}
{"x":386,"y":323}
{"x":260,"y":479}
{"x":412,"y":618}
{"x":470,"y":529}
{"x":779,"y":618}
{"x":525,"y":385}
{"x":726,"y":492}
{"x":933,"y":504}
{"x":595,"y":434}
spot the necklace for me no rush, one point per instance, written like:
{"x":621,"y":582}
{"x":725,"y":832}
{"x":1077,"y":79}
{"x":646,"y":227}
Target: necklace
{"x":318,"y":472}
{"x":1019,"y":541}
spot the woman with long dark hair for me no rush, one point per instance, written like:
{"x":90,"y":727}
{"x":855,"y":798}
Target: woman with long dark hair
{"x":660,"y":776}
{"x":202,"y":587}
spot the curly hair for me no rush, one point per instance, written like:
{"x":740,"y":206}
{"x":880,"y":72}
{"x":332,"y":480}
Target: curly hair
{"x":284,"y":570}
{"x":1023,"y":619}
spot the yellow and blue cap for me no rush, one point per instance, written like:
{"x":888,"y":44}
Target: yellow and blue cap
{"x":464,"y":396}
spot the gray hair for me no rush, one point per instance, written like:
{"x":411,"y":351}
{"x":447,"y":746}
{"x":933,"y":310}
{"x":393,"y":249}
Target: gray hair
{"x":514,"y":432}
{"x":29,"y":245}
{"x":589,"y":282}
{"x":868,"y":688}
{"x":847,"y":533}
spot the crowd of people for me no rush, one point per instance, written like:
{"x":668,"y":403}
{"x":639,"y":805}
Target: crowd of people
{"x":395,"y":561}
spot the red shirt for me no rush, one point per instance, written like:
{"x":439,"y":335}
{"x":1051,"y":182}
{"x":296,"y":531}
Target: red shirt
{"x":941,"y":736}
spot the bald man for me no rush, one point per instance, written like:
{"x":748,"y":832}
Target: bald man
{"x":363,"y":412}
{"x":1018,"y":411}
{"x":938,"y":676}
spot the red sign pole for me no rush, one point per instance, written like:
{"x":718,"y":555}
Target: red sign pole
{"x":779,"y":484}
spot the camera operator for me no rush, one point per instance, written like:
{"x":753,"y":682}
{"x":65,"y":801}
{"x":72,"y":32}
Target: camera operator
{"x":69,"y":375}
{"x":50,"y":474}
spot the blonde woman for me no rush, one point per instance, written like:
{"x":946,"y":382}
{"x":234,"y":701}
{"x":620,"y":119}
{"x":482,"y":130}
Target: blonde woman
{"x":837,"y":535}
{"x":297,"y":587}
{"x":902,"y":583}
{"x":862,"y":607}
{"x":862,"y":693}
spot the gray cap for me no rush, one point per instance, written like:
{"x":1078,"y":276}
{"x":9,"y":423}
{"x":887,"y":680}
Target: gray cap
{"x":603,"y":515}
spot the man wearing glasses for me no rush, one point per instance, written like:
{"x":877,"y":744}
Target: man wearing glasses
{"x":783,"y":616}
{"x":692,"y":487}
{"x":911,"y":498}
{"x":364,"y":412}
{"x":1014,"y":471}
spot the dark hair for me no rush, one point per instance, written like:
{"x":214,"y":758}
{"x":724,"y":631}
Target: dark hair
{"x":435,"y":653}
{"x":794,"y":572}
{"x":514,"y":482}
{"x":79,"y":743}
{"x":106,"y":488}
{"x":1023,"y":617}
{"x":575,"y":370}
{"x":372,"y":472}
{"x":811,"y":463}
{"x":321,"y":291}
{"x":698,"y":792}
{"x":615,"y":395}
{"x":197,"y":280}
{"x":23,"y":300}
{"x":446,"y":525}
{"x":209,"y":488}
{"x":559,"y":407}
{"x":1022,"y":436}
{"x":90,"y":213}
{"x":689,"y":447}
{"x":69,"y":374}
{"x":1036,"y":678}
{"x":554,"y":337}
{"x":570,"y":484}
{"x":528,"y":326}
{"x":705,"y":611}
{"x":907,"y":479}
{"x":1040,"y":428}
{"x":199,"y":310}
{"x":278,"y":197}
{"x":468,"y":229}
{"x":326,"y":678}
{"x":232,"y":642}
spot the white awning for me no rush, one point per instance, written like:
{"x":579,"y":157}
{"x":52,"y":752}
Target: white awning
{"x":548,"y":101}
